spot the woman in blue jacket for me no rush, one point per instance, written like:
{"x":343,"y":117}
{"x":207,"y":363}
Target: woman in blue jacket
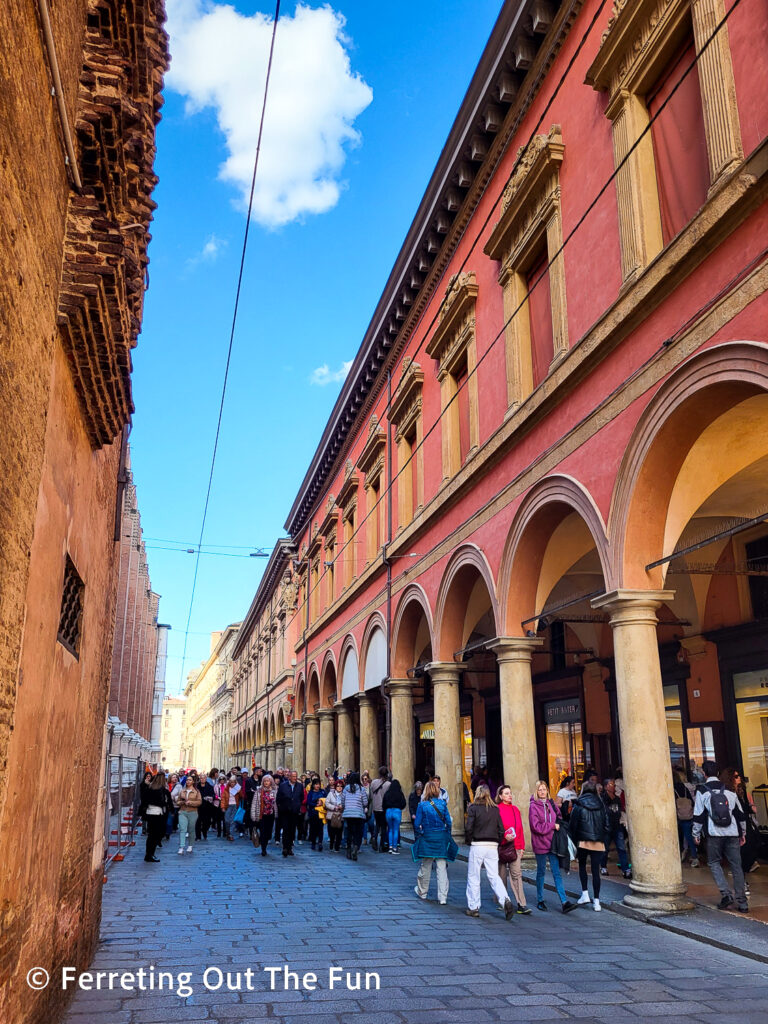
{"x":314,"y":796}
{"x":432,"y":828}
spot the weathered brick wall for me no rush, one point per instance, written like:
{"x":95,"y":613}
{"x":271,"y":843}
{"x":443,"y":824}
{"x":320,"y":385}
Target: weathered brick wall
{"x":71,"y":292}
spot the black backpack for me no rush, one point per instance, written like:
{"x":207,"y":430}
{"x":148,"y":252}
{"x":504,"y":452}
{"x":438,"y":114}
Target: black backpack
{"x":719,"y":809}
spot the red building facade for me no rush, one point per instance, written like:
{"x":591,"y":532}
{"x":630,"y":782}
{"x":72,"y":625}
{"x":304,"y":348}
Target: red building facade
{"x":533,"y":531}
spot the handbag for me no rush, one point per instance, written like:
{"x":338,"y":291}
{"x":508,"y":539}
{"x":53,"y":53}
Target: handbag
{"x":507,"y":853}
{"x":239,"y":815}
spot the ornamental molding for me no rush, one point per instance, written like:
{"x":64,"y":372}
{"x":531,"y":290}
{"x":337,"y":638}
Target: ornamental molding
{"x":370,"y":460}
{"x":330,"y":522}
{"x":457,"y":320}
{"x":535,"y":183}
{"x":347,"y":499}
{"x":635,"y":33}
{"x":406,"y":402}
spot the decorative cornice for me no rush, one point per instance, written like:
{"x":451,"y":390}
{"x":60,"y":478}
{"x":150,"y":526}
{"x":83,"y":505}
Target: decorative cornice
{"x":457,"y":314}
{"x":374,"y":446}
{"x":408,"y":393}
{"x":536,"y":173}
{"x":348,"y":492}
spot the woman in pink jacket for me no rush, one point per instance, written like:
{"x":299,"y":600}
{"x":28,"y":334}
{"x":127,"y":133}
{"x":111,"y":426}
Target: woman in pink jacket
{"x":513,"y":833}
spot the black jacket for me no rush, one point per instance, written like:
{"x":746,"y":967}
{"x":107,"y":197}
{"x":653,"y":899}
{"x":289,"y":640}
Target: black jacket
{"x":157,"y":797}
{"x":289,"y":797}
{"x":394,"y":797}
{"x":589,"y":820}
{"x":484,"y":824}
{"x":613,"y":808}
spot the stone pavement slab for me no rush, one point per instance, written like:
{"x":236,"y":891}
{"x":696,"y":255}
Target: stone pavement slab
{"x":230,"y":912}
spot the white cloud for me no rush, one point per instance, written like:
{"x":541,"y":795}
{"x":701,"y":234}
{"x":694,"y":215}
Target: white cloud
{"x":219,"y":61}
{"x":323,"y":375}
{"x":209,"y":253}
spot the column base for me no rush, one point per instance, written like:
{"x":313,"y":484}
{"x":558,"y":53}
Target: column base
{"x":654,"y":900}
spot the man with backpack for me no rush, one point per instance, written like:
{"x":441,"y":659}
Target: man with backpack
{"x":718,"y":814}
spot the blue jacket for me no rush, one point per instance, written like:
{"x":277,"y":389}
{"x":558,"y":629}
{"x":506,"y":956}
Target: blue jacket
{"x":433,"y":832}
{"x":312,"y":800}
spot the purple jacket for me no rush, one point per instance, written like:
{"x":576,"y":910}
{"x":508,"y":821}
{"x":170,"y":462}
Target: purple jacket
{"x":542,"y":818}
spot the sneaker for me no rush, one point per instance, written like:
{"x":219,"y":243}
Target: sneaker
{"x":746,"y":891}
{"x":542,"y":905}
{"x":603,"y":871}
{"x":695,"y":862}
{"x":189,"y":849}
{"x":627,"y":874}
{"x":440,"y":903}
{"x":755,"y":867}
{"x":472,"y":913}
{"x":524,"y":910}
{"x":725,"y":902}
{"x":181,"y":851}
{"x":419,"y":894}
{"x":743,"y":910}
{"x":584,"y":898}
{"x":597,"y":905}
{"x":391,"y":851}
{"x":568,"y":907}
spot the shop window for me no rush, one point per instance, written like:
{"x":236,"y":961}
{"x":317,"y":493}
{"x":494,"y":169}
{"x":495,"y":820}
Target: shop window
{"x":528,"y":240}
{"x":757,"y":559}
{"x":71,"y":614}
{"x":750,"y":689}
{"x":679,"y":141}
{"x":565,"y":742}
{"x":462,"y":401}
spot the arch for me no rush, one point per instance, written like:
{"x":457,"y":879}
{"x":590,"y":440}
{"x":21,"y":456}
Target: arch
{"x":412,"y":611}
{"x":248,"y":739}
{"x":301,"y":696}
{"x":529,"y":561}
{"x":646,"y":515}
{"x":313,"y":690}
{"x":329,"y":680}
{"x":466,"y":567}
{"x":374,"y":647}
{"x":280,"y":725}
{"x":350,"y":668}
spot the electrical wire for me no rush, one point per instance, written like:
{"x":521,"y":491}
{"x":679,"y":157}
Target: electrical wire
{"x":689,"y":68}
{"x":232,"y":332}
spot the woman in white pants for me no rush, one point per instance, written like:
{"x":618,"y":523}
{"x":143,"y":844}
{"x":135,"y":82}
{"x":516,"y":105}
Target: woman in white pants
{"x":484,"y":833}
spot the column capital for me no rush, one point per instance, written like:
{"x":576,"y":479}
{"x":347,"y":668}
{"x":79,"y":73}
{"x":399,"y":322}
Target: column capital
{"x":340,"y":708}
{"x":632,"y":606}
{"x":325,"y":713}
{"x":515,"y":648}
{"x":444,"y":671}
{"x":366,"y":700}
{"x":399,"y":687}
{"x":308,"y":718}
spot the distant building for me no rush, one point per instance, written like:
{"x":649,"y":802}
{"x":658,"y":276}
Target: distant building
{"x":209,"y":704}
{"x":174,"y":717}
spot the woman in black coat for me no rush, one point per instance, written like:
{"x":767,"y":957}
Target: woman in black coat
{"x":589,"y":829}
{"x":155,"y":807}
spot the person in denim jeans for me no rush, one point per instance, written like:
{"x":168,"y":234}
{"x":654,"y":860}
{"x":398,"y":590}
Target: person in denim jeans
{"x":544,"y":819}
{"x":393,"y":805}
{"x":614,"y":806}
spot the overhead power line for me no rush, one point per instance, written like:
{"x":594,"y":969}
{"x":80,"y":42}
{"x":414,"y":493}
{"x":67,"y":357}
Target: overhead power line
{"x":232,"y":332}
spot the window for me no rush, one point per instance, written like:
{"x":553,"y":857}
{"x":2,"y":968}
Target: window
{"x":662,"y":174}
{"x":371,"y":463}
{"x":71,"y":615}
{"x":348,"y":501}
{"x":528,"y":240}
{"x":679,"y":141}
{"x":757,"y":559}
{"x":453,"y":346}
{"x":406,"y":415}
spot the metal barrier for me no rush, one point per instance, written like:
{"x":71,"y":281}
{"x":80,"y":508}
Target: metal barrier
{"x":122,"y":778}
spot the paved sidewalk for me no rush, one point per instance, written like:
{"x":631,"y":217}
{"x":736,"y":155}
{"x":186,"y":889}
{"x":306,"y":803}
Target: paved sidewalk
{"x":227,"y":907}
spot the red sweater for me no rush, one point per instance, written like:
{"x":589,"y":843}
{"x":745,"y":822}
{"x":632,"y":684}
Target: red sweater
{"x":510,"y":818}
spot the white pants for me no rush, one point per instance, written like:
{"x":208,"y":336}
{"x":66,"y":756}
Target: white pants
{"x":484,"y":855}
{"x":425,"y":873}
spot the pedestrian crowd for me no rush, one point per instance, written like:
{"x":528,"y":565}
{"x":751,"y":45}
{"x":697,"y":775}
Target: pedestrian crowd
{"x":350,"y":810}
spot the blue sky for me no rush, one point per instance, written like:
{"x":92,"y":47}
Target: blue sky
{"x":358,"y":140}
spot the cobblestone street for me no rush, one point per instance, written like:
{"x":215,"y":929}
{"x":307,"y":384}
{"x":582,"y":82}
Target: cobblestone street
{"x":226,"y":907}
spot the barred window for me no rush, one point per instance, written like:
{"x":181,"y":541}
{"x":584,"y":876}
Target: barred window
{"x":71,"y":618}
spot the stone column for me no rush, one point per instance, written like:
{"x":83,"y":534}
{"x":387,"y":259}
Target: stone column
{"x":327,"y":745}
{"x":271,"y":757}
{"x":369,"y":735}
{"x":448,"y":754}
{"x":657,"y":882}
{"x":518,"y":724}
{"x":279,"y":753}
{"x":298,"y":746}
{"x":312,"y":757}
{"x":401,"y":696}
{"x":346,"y":736}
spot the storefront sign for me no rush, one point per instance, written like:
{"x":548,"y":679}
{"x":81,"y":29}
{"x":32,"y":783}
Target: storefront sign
{"x":427,"y":731}
{"x":562,"y":711}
